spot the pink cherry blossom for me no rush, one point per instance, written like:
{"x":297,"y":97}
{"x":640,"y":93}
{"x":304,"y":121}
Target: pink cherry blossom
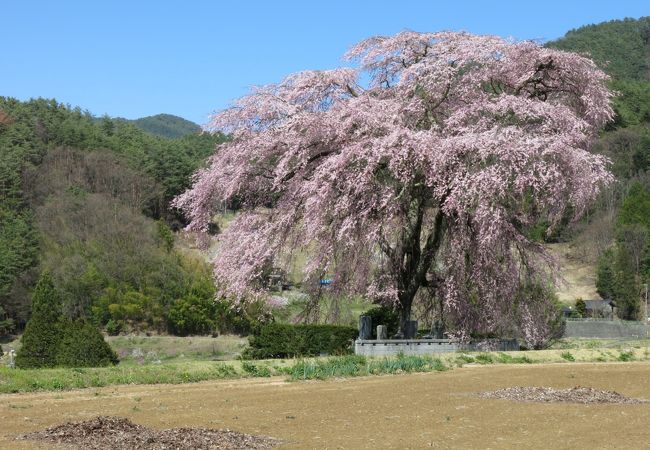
{"x":421,"y":181}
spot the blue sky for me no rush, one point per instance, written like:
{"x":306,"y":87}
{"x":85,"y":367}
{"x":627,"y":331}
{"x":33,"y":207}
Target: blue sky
{"x":189,"y":58}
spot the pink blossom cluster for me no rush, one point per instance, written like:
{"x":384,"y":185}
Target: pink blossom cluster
{"x":433,"y":170}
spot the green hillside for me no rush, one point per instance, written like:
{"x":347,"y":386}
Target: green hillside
{"x":86,"y":200}
{"x":166,"y":125}
{"x":622,"y":47}
{"x":615,"y":236}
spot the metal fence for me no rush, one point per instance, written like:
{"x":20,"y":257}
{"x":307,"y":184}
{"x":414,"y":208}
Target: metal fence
{"x":596,"y":319}
{"x":606,"y":329}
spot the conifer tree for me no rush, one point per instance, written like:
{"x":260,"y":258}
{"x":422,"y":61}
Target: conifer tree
{"x":626,"y":289}
{"x":42,"y":335}
{"x":82,"y":345}
{"x":605,"y":278}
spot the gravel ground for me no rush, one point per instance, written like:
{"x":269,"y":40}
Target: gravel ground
{"x":117,"y":433}
{"x":576,"y":394}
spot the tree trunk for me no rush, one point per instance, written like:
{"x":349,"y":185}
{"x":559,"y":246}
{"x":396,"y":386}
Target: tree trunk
{"x":404,"y":317}
{"x":414,"y":262}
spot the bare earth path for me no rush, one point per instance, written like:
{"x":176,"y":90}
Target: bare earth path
{"x":435,"y":410}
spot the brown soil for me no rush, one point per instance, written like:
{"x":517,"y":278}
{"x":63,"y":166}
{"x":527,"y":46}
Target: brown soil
{"x":433,"y":410}
{"x":118,"y":433}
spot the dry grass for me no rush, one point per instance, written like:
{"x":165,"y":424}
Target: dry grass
{"x":148,"y":349}
{"x":579,"y":275}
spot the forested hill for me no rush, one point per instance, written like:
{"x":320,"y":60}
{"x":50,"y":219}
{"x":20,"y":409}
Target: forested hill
{"x":166,"y":125}
{"x":86,"y":199}
{"x":616,"y":233}
{"x":622,"y":47}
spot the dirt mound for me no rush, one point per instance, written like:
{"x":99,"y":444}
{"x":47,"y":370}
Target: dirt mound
{"x":117,"y":433}
{"x":576,"y":394}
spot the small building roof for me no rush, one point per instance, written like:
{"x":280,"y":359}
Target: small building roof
{"x":599,"y":305}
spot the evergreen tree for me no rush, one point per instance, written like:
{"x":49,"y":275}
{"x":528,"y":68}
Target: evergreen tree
{"x":626,"y":289}
{"x":82,"y":345}
{"x":636,"y":207}
{"x":605,"y":278}
{"x":42,"y":335}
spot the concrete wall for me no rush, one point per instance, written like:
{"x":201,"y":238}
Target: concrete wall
{"x":606,"y":329}
{"x":391,"y":347}
{"x":408,"y":347}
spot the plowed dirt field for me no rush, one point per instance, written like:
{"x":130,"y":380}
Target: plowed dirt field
{"x":433,"y":410}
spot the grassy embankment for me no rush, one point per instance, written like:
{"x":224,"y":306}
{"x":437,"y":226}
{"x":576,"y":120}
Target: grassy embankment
{"x":133,"y":371}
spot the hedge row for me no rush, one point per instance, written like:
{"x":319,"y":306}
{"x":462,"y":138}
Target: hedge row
{"x":277,"y":340}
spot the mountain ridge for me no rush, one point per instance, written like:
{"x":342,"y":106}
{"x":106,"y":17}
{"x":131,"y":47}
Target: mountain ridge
{"x":165,"y":125}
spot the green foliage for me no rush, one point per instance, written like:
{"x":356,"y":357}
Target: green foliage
{"x":626,"y":289}
{"x":632,"y":105}
{"x":382,"y":315}
{"x":624,"y":267}
{"x":484,"y":358}
{"x":165,"y":235}
{"x":82,"y":211}
{"x":626,"y":356}
{"x":276,"y":340}
{"x":166,"y":125}
{"x":256,"y":370}
{"x":42,"y":335}
{"x":50,"y":340}
{"x":567,"y":356}
{"x":113,"y":327}
{"x":629,"y":150}
{"x":636,"y":207}
{"x":581,"y":307}
{"x":505,"y":358}
{"x":237,"y":320}
{"x":191,"y":314}
{"x":575,"y":315}
{"x":616,"y":281}
{"x":59,"y":379}
{"x":605,"y":276}
{"x":621,"y":47}
{"x":357,"y":365}
{"x":82,"y":345}
{"x":18,"y":238}
{"x":6,"y":324}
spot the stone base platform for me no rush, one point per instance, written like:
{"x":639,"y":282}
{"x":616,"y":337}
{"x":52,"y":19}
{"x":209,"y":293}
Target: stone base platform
{"x":391,"y":347}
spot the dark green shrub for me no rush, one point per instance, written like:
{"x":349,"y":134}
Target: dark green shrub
{"x":567,"y":356}
{"x":113,"y":327}
{"x":191,"y":315}
{"x":484,"y":358}
{"x":575,"y":315}
{"x":82,"y":345}
{"x":626,"y":356}
{"x":241,"y":320}
{"x":276,"y":340}
{"x":382,"y":315}
{"x":256,"y":370}
{"x":7,"y":324}
{"x":42,"y":336}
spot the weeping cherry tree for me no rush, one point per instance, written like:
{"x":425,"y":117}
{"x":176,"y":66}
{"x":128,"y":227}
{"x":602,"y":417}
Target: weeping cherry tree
{"x":416,"y":173}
